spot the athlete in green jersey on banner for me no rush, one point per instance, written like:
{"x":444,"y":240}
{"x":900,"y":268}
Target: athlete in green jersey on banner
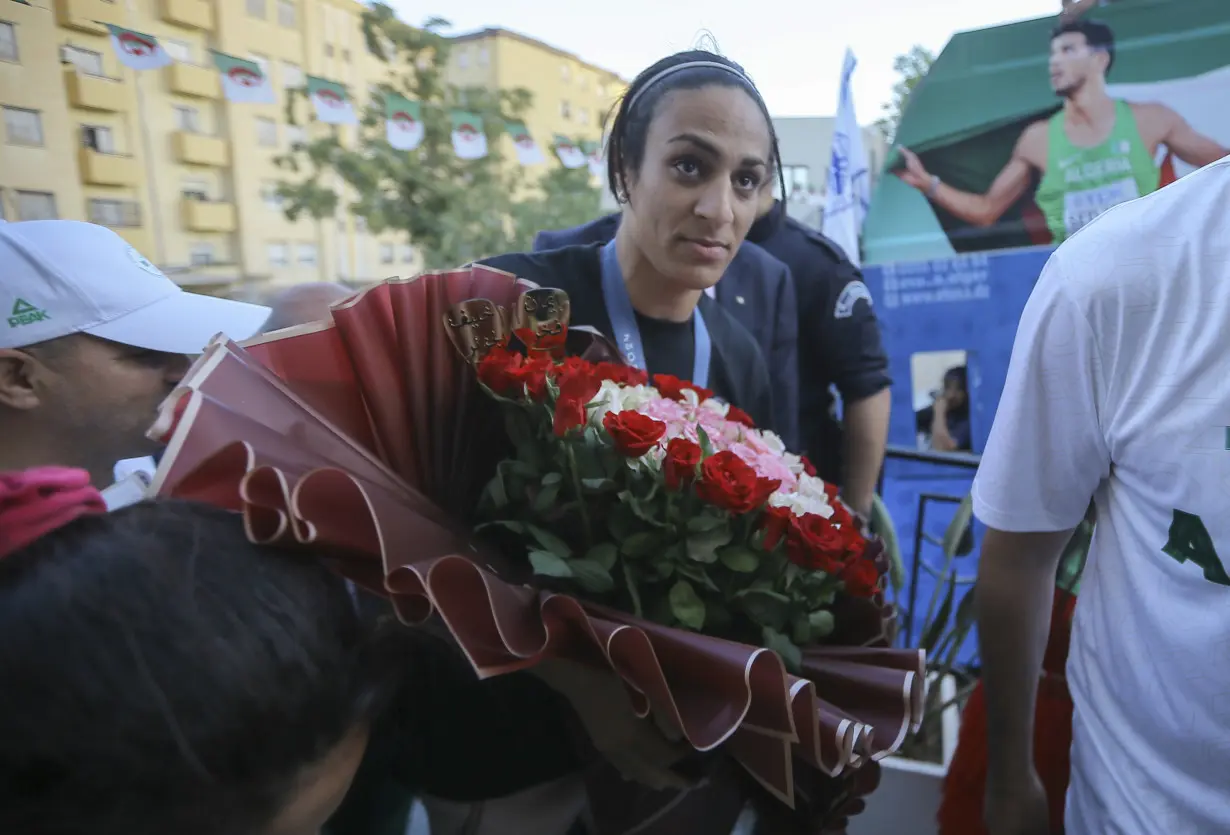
{"x":1093,"y":154}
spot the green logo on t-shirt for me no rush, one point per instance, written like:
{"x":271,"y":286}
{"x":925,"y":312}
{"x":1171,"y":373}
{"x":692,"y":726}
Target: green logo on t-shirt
{"x":25,"y":313}
{"x":1190,"y":541}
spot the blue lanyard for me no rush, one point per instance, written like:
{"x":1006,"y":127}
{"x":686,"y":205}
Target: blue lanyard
{"x":628,"y":335}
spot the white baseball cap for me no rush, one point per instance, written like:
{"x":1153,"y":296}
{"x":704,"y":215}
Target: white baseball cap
{"x":59,"y":277}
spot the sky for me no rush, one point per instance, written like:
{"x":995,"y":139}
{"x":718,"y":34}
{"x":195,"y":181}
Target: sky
{"x":792,"y":49}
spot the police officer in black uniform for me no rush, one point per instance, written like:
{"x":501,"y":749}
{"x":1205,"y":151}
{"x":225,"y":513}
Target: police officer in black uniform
{"x":839,"y":347}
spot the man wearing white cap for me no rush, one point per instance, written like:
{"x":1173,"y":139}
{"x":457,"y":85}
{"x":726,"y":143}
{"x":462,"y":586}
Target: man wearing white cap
{"x":92,"y":338}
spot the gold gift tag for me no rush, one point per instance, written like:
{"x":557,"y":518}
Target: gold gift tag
{"x":475,"y":327}
{"x":540,"y":320}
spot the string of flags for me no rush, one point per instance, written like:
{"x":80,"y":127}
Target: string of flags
{"x":246,"y":82}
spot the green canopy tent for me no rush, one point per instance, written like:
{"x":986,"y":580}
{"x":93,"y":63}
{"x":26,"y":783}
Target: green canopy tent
{"x":987,"y":85}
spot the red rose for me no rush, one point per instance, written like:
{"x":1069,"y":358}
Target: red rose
{"x":726,"y":481}
{"x":634,"y":434}
{"x":737,"y":415}
{"x":569,"y":414}
{"x":679,"y":467}
{"x":532,"y":375}
{"x":494,"y":370}
{"x":808,"y":466}
{"x":671,"y":387}
{"x":862,"y":578}
{"x":775,"y":523}
{"x":625,"y":375}
{"x":813,"y":542}
{"x":579,"y":383}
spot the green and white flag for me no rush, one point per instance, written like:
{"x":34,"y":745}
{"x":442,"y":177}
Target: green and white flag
{"x":570,"y":156}
{"x":331,"y":101}
{"x":243,"y":81}
{"x":403,"y":122}
{"x":469,"y":141}
{"x":593,"y":158}
{"x":528,"y":152}
{"x":137,"y":50}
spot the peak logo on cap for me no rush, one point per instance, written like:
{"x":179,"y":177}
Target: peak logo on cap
{"x":25,"y":313}
{"x":143,"y":262}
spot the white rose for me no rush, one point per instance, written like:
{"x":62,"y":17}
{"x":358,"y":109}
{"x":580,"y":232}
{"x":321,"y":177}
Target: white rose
{"x":712,"y":404}
{"x":773,"y":442}
{"x":800,"y":504}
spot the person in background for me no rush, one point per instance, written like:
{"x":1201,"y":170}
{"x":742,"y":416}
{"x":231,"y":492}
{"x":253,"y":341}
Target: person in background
{"x":946,"y":421}
{"x":162,"y":674}
{"x":839,"y":348}
{"x":93,"y":337}
{"x":756,"y":289}
{"x":1117,"y":391}
{"x":303,"y":303}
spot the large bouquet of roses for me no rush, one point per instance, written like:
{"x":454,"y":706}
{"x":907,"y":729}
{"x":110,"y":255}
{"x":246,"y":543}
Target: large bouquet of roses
{"x":647,"y":530}
{"x":667,"y":503}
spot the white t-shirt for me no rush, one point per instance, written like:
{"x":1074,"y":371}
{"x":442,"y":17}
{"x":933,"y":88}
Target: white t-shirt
{"x":1119,"y":388}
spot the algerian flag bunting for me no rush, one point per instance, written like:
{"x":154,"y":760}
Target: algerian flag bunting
{"x":528,"y":152}
{"x":243,"y":81}
{"x":137,"y":50}
{"x":331,"y":101}
{"x":469,"y":141}
{"x":593,"y":158}
{"x":403,"y":122}
{"x":570,"y":156}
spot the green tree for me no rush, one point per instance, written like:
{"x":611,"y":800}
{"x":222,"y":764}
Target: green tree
{"x":453,"y":210}
{"x":912,"y":68}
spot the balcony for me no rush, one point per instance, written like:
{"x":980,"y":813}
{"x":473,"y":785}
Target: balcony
{"x":191,"y":80}
{"x":207,"y":215}
{"x":94,"y":92}
{"x":89,"y":15}
{"x":194,"y":14}
{"x":199,"y":149}
{"x":103,"y":169}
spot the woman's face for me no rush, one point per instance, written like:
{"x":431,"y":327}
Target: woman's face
{"x":321,"y":788}
{"x":706,"y":162}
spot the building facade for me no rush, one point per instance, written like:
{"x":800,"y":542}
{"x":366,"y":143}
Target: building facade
{"x":806,"y":145}
{"x":189,"y":178}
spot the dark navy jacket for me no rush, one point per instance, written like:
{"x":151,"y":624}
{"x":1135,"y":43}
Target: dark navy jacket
{"x":839,"y":337}
{"x":758,"y":291}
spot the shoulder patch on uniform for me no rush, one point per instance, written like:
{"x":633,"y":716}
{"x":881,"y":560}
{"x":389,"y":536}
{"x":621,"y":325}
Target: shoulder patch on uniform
{"x":850,"y":294}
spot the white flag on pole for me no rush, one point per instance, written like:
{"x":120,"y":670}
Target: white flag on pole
{"x":849,"y":186}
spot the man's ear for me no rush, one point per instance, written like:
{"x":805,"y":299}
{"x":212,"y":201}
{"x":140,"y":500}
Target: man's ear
{"x":19,"y":373}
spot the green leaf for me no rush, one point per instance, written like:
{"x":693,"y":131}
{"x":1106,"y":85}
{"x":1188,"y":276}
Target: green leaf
{"x":800,"y":629}
{"x":591,"y":576}
{"x":550,"y":542}
{"x":697,"y":574}
{"x":638,"y":508}
{"x":686,"y":605}
{"x":767,"y":608}
{"x":791,"y":573}
{"x":706,"y":446}
{"x":936,"y":628}
{"x":739,"y":558}
{"x":550,"y":565}
{"x":705,"y":522}
{"x":515,"y":527}
{"x":517,"y":467}
{"x":496,"y":492}
{"x":605,"y":554}
{"x":552,"y":478}
{"x":622,"y":522}
{"x":822,"y":624}
{"x":641,"y":544}
{"x":547,"y":496}
{"x":702,"y":547}
{"x":784,"y":647}
{"x":598,"y":485}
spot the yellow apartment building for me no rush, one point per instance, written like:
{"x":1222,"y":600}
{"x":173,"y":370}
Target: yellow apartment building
{"x":572,"y":97}
{"x":187,"y":177}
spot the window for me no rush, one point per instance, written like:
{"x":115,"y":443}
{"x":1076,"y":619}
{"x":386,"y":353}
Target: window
{"x":179,"y":50}
{"x":306,"y":254}
{"x":90,"y":63}
{"x":483,"y":56}
{"x":8,"y":42}
{"x":276,"y":255}
{"x":292,"y":75}
{"x":286,"y":14}
{"x":99,"y":138}
{"x":256,"y":8}
{"x":564,"y":72}
{"x":115,"y":212}
{"x":583,"y":116}
{"x":36,"y":205}
{"x":345,"y":54}
{"x":270,"y":196}
{"x":195,"y":190}
{"x":266,"y":132}
{"x":406,"y":252}
{"x":798,"y":179}
{"x":23,"y":127}
{"x":201,"y":255}
{"x":296,"y":134}
{"x":187,"y":119}
{"x":328,"y":50}
{"x":386,"y":253}
{"x":463,"y":58}
{"x":565,"y":109}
